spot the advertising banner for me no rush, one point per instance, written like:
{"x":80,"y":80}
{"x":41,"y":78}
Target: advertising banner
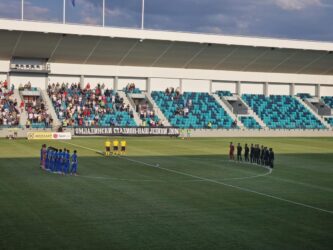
{"x":127,"y":131}
{"x":49,"y":136}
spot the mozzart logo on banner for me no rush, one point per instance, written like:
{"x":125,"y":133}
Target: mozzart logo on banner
{"x":48,"y":136}
{"x":139,"y":131}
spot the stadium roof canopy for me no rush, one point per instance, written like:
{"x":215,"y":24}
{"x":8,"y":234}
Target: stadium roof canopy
{"x":66,"y":43}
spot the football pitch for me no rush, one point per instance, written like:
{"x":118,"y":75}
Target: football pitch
{"x":168,"y":193}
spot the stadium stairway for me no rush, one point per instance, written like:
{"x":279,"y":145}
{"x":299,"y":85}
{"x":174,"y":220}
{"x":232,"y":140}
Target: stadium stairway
{"x":227,"y":109}
{"x":321,"y":119}
{"x":254,"y":115}
{"x":136,"y":117}
{"x":23,"y":115}
{"x":157,"y":110}
{"x":50,"y":108}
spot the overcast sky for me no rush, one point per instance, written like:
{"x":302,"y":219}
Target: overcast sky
{"x":296,"y":19}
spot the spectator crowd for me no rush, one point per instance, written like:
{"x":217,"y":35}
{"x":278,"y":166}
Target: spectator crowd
{"x":78,"y":106}
{"x":9,"y":113}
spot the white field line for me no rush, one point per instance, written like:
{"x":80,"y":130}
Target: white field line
{"x":219,"y":182}
{"x":157,"y":165}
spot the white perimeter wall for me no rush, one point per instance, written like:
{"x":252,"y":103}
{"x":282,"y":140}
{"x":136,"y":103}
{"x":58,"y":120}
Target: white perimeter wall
{"x":227,"y":86}
{"x":3,"y":77}
{"x":195,"y":86}
{"x":278,"y":89}
{"x":37,"y":80}
{"x":326,"y":90}
{"x":4,"y":66}
{"x":64,"y":79}
{"x":139,"y":83}
{"x":305,"y":89}
{"x":93,"y":81}
{"x":252,"y":88}
{"x":161,"y":84}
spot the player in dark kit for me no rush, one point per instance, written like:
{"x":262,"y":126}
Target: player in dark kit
{"x":271,"y":158}
{"x":246,"y":153}
{"x":231,"y":151}
{"x":239,"y":152}
{"x":266,"y":157}
{"x":257,"y":154}
{"x":252,"y":153}
{"x":262,"y":153}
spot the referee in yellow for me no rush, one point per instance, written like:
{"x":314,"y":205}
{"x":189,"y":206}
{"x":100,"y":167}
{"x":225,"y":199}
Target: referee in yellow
{"x":115,"y":146}
{"x":123,"y":146}
{"x":107,"y":147}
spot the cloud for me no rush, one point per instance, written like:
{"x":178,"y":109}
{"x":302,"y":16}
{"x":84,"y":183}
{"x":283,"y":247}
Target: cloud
{"x":11,"y":9}
{"x":296,"y":4}
{"x":299,"y":19}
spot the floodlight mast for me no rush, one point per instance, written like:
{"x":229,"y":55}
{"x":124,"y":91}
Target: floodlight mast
{"x":64,"y":12}
{"x":143,"y":14}
{"x":22,"y":10}
{"x":103,"y":13}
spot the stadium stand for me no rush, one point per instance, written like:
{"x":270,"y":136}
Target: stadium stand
{"x":282,"y":112}
{"x":89,"y":107}
{"x":329,"y":120}
{"x":9,"y":113}
{"x":131,"y":89}
{"x":192,"y":110}
{"x":147,"y":115}
{"x":328,"y":100}
{"x":222,"y":93}
{"x":37,"y":113}
{"x":249,"y":122}
{"x":304,"y":96}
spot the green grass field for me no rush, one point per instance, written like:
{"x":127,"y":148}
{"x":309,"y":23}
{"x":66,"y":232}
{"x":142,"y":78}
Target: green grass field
{"x":193,"y":199}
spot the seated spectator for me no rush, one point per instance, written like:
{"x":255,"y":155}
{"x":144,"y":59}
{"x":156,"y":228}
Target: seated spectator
{"x":9,"y":114}
{"x":85,"y":107}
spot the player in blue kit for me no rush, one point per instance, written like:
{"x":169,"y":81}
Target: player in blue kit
{"x":67,"y":162}
{"x":74,"y":163}
{"x":59,"y":162}
{"x":47,"y":162}
{"x":53,"y":160}
{"x":63,"y":161}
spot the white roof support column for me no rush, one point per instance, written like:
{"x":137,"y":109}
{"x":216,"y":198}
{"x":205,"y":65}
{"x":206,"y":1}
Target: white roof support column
{"x":148,"y":85}
{"x":317,"y":90}
{"x":181,"y":85}
{"x":210,"y":87}
{"x":292,"y":89}
{"x":82,"y":81}
{"x":265,"y":88}
{"x":115,"y":83}
{"x":238,"y":88}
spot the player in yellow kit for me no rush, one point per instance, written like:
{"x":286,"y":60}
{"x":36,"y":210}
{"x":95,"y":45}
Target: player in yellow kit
{"x":107,"y":147}
{"x":123,"y":146}
{"x":115,"y":147}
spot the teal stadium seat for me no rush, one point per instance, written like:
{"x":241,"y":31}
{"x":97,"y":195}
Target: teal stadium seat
{"x":282,"y":112}
{"x":204,"y":109}
{"x":249,"y":122}
{"x":328,"y":100}
{"x":222,"y":93}
{"x":329,"y":120}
